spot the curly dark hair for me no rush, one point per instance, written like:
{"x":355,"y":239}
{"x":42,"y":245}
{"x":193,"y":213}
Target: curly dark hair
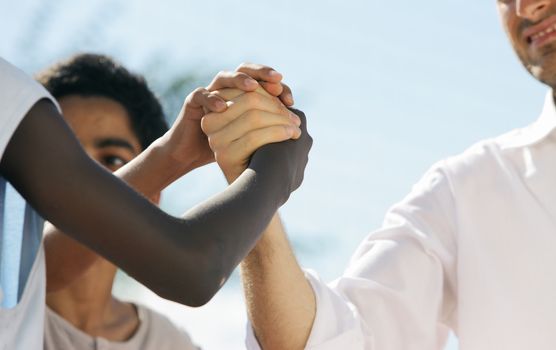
{"x":99,"y":75}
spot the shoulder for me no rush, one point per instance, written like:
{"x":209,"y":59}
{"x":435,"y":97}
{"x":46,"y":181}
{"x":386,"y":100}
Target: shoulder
{"x":16,"y":86}
{"x":18,"y":93}
{"x":486,"y":171}
{"x":484,"y":165}
{"x":481,"y":164}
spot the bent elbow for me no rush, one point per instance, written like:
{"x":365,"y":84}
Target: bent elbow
{"x":197,"y":274}
{"x":199,"y":298}
{"x":185,"y":294}
{"x":208,"y":284}
{"x":196,"y":288}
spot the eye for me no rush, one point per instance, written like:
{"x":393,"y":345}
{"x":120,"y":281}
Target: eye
{"x":113,"y":162}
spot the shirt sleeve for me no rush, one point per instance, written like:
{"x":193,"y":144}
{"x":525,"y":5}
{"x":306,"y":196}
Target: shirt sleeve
{"x":18,"y":93}
{"x":398,"y":290}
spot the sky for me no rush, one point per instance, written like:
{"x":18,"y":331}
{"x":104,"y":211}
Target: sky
{"x":388,"y":87}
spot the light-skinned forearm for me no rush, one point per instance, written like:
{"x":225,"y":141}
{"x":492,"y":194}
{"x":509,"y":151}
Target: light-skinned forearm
{"x":280,"y":301}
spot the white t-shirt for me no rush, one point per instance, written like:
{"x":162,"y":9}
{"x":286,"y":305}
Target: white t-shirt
{"x":22,"y":266}
{"x":155,"y":332}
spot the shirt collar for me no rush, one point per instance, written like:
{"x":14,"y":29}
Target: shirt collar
{"x":536,"y":132}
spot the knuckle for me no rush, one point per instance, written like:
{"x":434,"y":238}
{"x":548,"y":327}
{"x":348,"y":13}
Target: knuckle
{"x":197,"y":93}
{"x":199,"y":90}
{"x":262,"y":67}
{"x":298,"y":112}
{"x":236,"y":75}
{"x":283,"y":110}
{"x":243,"y":65}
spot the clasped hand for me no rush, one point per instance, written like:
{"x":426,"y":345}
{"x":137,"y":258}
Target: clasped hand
{"x":236,"y":114}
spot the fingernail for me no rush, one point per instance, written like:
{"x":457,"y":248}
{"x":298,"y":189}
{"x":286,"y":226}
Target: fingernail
{"x":295,"y":118}
{"x":251,"y":83}
{"x":274,"y":74}
{"x":219,"y":104}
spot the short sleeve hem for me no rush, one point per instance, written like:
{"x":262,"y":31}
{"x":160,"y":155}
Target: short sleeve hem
{"x":18,"y":94}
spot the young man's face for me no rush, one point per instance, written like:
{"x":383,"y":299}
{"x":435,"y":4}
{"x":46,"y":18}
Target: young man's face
{"x":103,"y":128}
{"x":531,"y":27}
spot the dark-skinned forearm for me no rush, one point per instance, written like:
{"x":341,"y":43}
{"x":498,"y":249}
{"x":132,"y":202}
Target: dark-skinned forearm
{"x":184,"y":259}
{"x":149,"y":173}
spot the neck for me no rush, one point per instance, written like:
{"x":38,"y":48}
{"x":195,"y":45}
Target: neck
{"x":88,"y":304}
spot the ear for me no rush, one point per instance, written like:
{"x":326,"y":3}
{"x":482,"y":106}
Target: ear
{"x":156,"y":198}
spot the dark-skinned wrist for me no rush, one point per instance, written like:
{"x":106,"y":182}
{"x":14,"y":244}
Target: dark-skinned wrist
{"x":273,"y":168}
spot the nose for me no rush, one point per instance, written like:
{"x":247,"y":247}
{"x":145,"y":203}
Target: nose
{"x":532,"y":10}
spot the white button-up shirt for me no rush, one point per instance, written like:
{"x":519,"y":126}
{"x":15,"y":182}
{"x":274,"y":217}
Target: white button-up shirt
{"x":472,"y":248}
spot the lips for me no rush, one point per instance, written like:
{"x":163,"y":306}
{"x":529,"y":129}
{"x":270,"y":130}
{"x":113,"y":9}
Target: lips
{"x":541,"y":33}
